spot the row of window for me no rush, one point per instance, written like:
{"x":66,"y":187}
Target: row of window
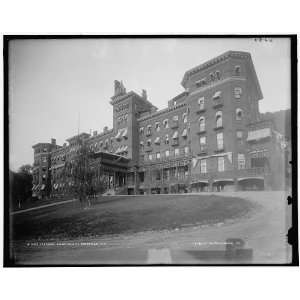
{"x":221,"y":163}
{"x":165,"y":124}
{"x":157,"y":140}
{"x":216,"y":76}
{"x":238,"y":113}
{"x":166,"y":154}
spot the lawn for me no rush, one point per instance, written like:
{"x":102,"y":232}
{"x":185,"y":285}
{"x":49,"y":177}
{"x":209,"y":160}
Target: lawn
{"x":117,"y":215}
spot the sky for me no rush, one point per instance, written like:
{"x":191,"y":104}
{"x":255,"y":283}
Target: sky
{"x":57,"y":85}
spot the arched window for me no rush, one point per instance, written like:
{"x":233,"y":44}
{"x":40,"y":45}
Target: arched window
{"x":219,"y":119}
{"x":239,"y":114}
{"x":202,"y":124}
{"x":167,"y":139}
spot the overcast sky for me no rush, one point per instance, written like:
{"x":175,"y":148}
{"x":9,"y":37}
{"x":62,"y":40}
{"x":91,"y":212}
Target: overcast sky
{"x":51,"y":81}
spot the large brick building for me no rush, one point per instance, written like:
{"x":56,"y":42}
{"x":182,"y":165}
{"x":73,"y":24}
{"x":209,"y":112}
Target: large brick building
{"x":209,"y":138}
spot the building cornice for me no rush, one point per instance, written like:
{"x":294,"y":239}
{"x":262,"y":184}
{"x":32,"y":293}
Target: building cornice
{"x":161,"y":112}
{"x":214,"y":61}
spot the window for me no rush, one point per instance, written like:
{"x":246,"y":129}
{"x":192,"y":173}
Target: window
{"x":186,"y":150}
{"x":44,"y":159}
{"x":166,"y":123}
{"x":220,"y":142}
{"x":184,"y":117}
{"x":157,"y":126}
{"x":175,"y":118}
{"x":217,"y":95}
{"x":237,"y":92}
{"x":142,"y":130}
{"x":237,"y":70}
{"x":176,"y":152}
{"x":158,"y":155}
{"x":201,"y":103}
{"x":174,"y":103}
{"x":212,"y":77}
{"x":167,"y":153}
{"x":150,"y":157}
{"x":142,"y":145}
{"x":218,"y":75}
{"x":202,"y":124}
{"x":221,"y":164}
{"x":202,"y":143}
{"x":239,"y":114}
{"x":241,"y":161}
{"x":149,"y":129}
{"x":239,"y":134}
{"x":219,"y":119}
{"x":167,"y":139}
{"x":149,"y":143}
{"x":203,"y":166}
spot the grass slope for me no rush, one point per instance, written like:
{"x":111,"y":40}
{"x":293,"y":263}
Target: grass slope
{"x":116,"y":215}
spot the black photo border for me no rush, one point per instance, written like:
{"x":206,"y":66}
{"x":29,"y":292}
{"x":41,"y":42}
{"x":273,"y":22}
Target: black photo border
{"x":292,"y":234}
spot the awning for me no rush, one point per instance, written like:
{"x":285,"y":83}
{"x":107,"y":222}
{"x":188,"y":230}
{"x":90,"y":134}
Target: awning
{"x":247,"y":178}
{"x":157,"y":140}
{"x":184,"y":133}
{"x":217,"y":95}
{"x":224,"y":179}
{"x":37,"y":187}
{"x":125,"y":149}
{"x":118,"y":150}
{"x":259,"y":134}
{"x":34,"y":186}
{"x":175,"y":135}
{"x":125,"y":133}
{"x":55,"y":186}
{"x":118,"y":136}
{"x":199,"y":182}
{"x":43,"y":187}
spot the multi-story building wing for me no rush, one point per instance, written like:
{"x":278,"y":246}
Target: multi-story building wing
{"x":41,"y":175}
{"x":210,"y":137}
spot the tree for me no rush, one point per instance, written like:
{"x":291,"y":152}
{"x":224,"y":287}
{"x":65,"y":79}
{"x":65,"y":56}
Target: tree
{"x":80,"y":174}
{"x":21,"y":185}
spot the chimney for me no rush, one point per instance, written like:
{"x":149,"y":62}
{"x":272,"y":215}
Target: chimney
{"x":53,"y":142}
{"x":95,"y":132}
